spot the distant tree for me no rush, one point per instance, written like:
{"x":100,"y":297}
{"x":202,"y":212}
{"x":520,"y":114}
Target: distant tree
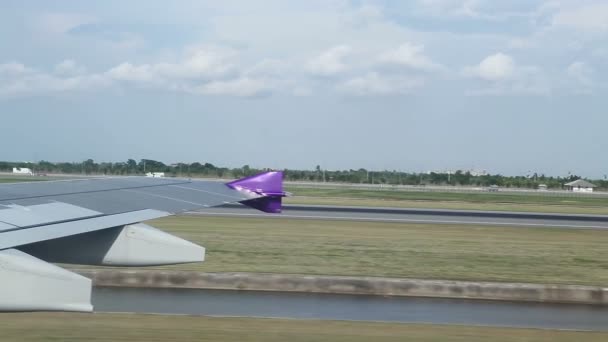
{"x":246,"y":170}
{"x":131,"y":166}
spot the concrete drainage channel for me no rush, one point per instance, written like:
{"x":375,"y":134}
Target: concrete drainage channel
{"x":351,"y":285}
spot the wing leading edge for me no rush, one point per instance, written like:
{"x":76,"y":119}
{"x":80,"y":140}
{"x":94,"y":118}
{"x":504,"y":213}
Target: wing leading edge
{"x":96,"y":222}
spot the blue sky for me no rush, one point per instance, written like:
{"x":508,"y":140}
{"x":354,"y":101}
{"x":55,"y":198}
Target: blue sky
{"x":511,"y":87}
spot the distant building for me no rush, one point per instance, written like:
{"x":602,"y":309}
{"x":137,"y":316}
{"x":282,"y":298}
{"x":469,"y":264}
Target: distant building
{"x":477,"y":173}
{"x":22,"y":171}
{"x":580,"y":185}
{"x":542,"y":187}
{"x":155,"y":174}
{"x":472,"y":172}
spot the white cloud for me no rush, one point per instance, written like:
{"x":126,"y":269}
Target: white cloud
{"x":200,"y":63}
{"x":359,"y":46}
{"x":206,"y":71}
{"x":496,"y":67}
{"x":363,"y":16}
{"x":243,"y":86}
{"x":499,"y":74}
{"x":40,"y":83}
{"x":590,"y":17}
{"x":488,"y":10}
{"x":269,"y":67}
{"x":526,"y":89}
{"x":330,"y":62}
{"x":409,"y":55}
{"x":13,"y":68}
{"x":134,"y":73}
{"x":581,"y":73}
{"x":371,"y":71}
{"x":69,"y":68}
{"x":17,"y":79}
{"x":219,"y":71}
{"x":466,"y":8}
{"x":373,"y":83}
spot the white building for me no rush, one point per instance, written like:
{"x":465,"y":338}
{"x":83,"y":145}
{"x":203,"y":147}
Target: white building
{"x":477,"y":173}
{"x":23,"y":171}
{"x":155,"y":174}
{"x":580,"y":185}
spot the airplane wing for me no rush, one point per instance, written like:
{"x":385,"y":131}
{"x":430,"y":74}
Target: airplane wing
{"x":97,"y":221}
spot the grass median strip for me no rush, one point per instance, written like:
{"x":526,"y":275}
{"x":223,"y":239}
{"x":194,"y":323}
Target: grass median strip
{"x":563,"y":208}
{"x":18,"y":179}
{"x":528,"y":202}
{"x":475,"y":253}
{"x":34,"y":327}
{"x":478,"y":196}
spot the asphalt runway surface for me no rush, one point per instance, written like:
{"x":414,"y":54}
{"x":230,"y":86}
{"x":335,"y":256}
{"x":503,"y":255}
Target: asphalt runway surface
{"x":421,"y":216}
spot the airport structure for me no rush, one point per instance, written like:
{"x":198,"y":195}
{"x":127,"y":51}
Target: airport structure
{"x":22,"y":171}
{"x":155,"y":174}
{"x":580,"y":185}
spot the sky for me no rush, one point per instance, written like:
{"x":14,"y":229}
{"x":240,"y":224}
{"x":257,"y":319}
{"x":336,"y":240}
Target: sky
{"x":511,"y":87}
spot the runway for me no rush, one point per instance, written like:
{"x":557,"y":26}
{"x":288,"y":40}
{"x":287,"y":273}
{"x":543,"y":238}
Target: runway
{"x":421,"y":216}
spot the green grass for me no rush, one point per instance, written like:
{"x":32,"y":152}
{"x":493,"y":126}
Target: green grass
{"x":531,"y":255}
{"x":19,"y":179}
{"x":481,"y":197}
{"x":541,"y":208}
{"x":529,"y":202}
{"x":34,"y":327}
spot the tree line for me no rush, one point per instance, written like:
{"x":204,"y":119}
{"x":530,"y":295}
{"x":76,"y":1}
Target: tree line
{"x":363,"y":176}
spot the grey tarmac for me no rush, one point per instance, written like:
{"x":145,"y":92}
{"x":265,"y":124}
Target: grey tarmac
{"x":418,"y":216}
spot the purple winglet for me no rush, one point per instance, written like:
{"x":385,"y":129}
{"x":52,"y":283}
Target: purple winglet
{"x":267,"y":184}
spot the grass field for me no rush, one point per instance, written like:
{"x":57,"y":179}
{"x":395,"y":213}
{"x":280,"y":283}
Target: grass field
{"x":439,"y":204}
{"x":534,"y":255}
{"x":529,"y":202}
{"x":481,"y":197}
{"x":18,"y":179}
{"x":33,"y":327}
